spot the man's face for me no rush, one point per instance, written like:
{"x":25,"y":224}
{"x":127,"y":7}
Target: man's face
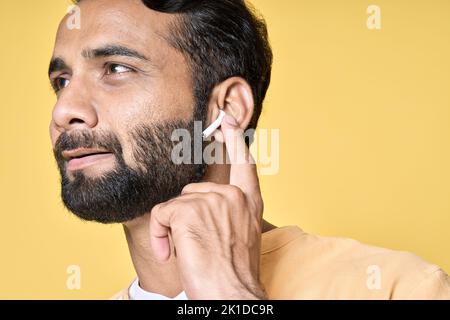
{"x":121,"y":91}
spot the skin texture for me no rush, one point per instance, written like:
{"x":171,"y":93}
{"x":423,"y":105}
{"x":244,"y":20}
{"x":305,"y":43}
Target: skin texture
{"x":206,"y":241}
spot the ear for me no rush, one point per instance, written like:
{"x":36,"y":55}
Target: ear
{"x":235,"y":97}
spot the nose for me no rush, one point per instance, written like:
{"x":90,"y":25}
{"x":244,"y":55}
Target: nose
{"x":74,"y":108}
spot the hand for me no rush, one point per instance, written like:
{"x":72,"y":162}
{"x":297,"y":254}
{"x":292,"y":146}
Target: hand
{"x":216,"y":229}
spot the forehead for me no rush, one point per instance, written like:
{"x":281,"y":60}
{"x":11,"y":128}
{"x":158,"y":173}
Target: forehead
{"x":126,"y":22}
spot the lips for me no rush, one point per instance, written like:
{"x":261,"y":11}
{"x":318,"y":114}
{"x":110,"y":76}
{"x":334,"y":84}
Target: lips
{"x":82,"y":152}
{"x":83,"y":157}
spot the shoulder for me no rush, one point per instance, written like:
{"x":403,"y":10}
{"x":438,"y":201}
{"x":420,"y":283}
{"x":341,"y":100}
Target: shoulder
{"x":311,"y":266}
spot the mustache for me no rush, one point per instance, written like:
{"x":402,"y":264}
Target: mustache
{"x":86,"y":139}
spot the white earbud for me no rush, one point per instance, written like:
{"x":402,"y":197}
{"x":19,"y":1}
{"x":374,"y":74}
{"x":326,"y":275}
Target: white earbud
{"x":214,"y":126}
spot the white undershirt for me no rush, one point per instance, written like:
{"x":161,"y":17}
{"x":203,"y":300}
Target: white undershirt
{"x":135,"y":292}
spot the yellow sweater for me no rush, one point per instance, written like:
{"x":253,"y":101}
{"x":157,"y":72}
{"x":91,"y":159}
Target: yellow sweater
{"x":297,"y":265}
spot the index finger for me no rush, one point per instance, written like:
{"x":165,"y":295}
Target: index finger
{"x":243,"y":172}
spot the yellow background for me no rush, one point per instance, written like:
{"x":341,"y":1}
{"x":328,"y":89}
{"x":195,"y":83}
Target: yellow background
{"x":364,"y":123}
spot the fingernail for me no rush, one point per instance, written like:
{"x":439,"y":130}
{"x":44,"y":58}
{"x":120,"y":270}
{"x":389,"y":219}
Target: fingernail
{"x":231,"y":120}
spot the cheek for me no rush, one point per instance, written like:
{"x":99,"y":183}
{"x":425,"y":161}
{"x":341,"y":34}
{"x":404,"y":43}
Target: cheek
{"x":168,"y":98}
{"x":143,"y":104}
{"x":127,"y":106}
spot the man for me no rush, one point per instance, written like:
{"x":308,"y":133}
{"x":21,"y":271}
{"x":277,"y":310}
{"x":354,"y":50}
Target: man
{"x":127,"y":79}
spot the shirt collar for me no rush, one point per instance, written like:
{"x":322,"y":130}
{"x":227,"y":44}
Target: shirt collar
{"x":135,"y":292}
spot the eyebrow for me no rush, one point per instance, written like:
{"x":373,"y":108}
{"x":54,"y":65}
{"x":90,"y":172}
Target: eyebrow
{"x":113,"y":50}
{"x":58,"y":64}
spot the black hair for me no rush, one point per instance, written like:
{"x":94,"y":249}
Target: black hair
{"x":221,"y":39}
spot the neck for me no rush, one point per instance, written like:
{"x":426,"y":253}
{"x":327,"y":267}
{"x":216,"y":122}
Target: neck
{"x":156,"y":277}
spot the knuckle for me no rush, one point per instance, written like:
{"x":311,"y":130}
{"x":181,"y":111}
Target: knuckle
{"x":155,"y":209}
{"x":236,"y":194}
{"x":187,"y":188}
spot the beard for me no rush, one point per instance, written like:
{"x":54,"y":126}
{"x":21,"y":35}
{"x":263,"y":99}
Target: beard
{"x":126,"y":193}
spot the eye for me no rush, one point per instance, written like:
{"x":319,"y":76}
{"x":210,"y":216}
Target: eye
{"x":60,"y":83}
{"x":114,"y":68}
